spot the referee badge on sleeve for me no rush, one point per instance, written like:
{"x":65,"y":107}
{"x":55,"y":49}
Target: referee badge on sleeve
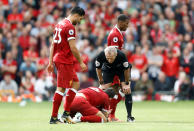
{"x":97,"y":63}
{"x":71,"y":32}
{"x":125,"y":64}
{"x":115,"y":39}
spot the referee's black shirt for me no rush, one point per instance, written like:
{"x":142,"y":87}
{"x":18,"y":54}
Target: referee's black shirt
{"x":120,"y":63}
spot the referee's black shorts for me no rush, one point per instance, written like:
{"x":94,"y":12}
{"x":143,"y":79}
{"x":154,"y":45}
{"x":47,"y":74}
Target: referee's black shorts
{"x":108,"y":76}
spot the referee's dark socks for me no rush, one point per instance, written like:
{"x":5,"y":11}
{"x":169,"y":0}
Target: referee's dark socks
{"x":128,"y":104}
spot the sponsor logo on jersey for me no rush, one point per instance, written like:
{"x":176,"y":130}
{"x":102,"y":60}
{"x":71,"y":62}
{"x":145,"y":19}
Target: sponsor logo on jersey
{"x":71,"y":32}
{"x":115,"y":39}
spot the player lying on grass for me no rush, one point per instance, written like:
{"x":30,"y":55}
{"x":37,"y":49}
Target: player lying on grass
{"x":91,"y":105}
{"x":111,"y":62}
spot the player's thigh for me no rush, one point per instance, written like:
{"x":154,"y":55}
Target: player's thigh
{"x":75,"y":83}
{"x":64,"y":75}
{"x":108,"y":76}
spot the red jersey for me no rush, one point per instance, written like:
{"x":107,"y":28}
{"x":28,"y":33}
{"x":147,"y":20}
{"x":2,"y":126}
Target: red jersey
{"x":139,"y":61}
{"x":9,"y":64}
{"x":96,"y":97}
{"x":115,"y":38}
{"x":170,"y":66}
{"x":64,"y":31}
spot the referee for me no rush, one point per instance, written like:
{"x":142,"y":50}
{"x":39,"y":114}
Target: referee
{"x":109,"y":63}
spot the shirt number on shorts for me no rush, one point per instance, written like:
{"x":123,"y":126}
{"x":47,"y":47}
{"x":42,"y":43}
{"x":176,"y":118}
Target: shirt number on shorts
{"x":57,"y":34}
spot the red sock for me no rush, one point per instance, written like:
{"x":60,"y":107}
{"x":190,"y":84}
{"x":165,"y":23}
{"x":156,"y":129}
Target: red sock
{"x":92,"y":118}
{"x":113,"y":104}
{"x":58,"y":96}
{"x":69,"y":99}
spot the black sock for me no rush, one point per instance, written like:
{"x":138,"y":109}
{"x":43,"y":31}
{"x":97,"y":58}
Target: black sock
{"x":128,"y":104}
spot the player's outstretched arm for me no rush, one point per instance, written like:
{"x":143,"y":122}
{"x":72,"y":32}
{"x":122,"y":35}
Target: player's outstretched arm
{"x":50,"y":67}
{"x":75,"y":52}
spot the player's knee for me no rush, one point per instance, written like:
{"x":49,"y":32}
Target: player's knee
{"x":61,"y":89}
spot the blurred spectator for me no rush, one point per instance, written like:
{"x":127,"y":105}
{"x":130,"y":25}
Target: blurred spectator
{"x":155,"y":62}
{"x":8,"y":87}
{"x":171,"y":67}
{"x":44,"y":86}
{"x":42,"y":62}
{"x":144,"y":84}
{"x":182,"y":87}
{"x":9,"y":65}
{"x":28,"y":65}
{"x":139,"y":60}
{"x":85,"y":82}
{"x":162,"y":83}
{"x":27,"y":83}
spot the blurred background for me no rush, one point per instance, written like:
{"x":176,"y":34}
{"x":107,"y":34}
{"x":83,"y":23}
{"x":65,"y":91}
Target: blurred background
{"x":158,"y":43}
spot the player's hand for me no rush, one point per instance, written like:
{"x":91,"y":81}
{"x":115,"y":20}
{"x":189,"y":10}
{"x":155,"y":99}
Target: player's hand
{"x":126,"y":89}
{"x":83,"y":66}
{"x":50,"y":68}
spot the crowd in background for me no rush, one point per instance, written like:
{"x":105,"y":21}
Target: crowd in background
{"x":158,"y":43}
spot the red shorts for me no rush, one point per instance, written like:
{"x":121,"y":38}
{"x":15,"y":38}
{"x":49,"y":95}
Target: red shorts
{"x":116,"y":80}
{"x":65,"y":75}
{"x":80,"y":104}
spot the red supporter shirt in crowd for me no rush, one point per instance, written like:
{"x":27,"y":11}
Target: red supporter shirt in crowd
{"x":115,"y":38}
{"x":156,"y":35}
{"x":96,"y":97}
{"x":14,"y":17}
{"x":139,"y":61}
{"x":30,"y":54}
{"x":42,"y":61}
{"x":170,"y":66}
{"x":64,"y":31}
{"x":24,"y":42}
{"x":9,"y":64}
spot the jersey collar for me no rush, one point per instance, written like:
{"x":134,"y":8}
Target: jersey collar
{"x":68,"y":20}
{"x":118,"y":29}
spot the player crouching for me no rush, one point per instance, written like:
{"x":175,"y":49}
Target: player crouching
{"x":91,"y":105}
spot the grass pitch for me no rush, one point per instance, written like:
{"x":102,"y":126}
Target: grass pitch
{"x":150,"y":116}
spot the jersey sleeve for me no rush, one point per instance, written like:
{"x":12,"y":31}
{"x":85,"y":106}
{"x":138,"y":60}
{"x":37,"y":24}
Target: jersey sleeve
{"x":70,"y":32}
{"x":106,"y":105}
{"x":99,"y":60}
{"x":125,"y":62}
{"x":113,"y":40}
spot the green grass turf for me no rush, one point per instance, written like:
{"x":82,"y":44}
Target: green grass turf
{"x":150,"y":116}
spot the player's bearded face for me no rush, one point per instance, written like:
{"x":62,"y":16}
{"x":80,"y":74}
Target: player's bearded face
{"x":77,"y":20}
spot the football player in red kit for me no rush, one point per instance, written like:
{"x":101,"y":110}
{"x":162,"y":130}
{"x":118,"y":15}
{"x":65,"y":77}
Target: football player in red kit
{"x":62,"y":50}
{"x":115,"y":38}
{"x":91,"y":105}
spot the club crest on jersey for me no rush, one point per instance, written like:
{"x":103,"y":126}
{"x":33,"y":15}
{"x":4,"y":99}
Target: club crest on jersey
{"x":125,"y":64}
{"x":71,"y":32}
{"x":115,"y":39}
{"x":97,"y":63}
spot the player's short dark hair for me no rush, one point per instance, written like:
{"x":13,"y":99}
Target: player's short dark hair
{"x":78,"y":10}
{"x":110,"y":92}
{"x":122,"y":17}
